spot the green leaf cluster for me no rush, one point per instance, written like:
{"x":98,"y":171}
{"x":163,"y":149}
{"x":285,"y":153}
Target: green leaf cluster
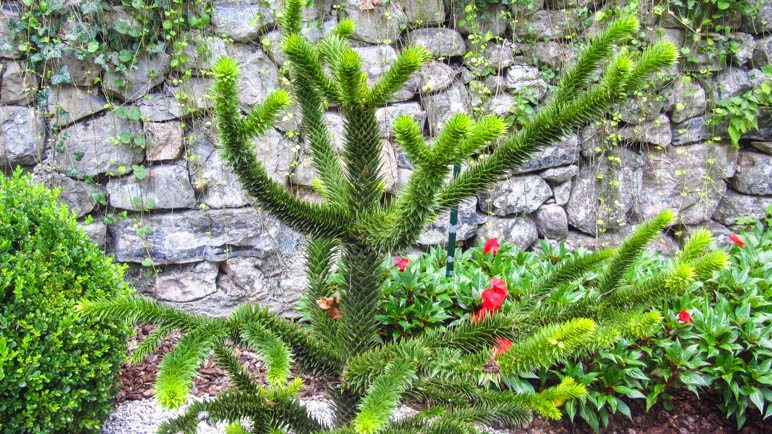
{"x":742,"y":113}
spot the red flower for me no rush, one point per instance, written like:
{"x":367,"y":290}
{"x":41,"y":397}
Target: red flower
{"x":491,"y":245}
{"x":495,"y":295}
{"x":402,"y":263}
{"x":499,"y":285}
{"x":684,"y":316}
{"x":492,"y":299}
{"x":735,"y":239}
{"x":501,"y":346}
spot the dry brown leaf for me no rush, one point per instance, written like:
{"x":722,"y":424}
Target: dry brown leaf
{"x":492,"y":367}
{"x":325,"y":303}
{"x":331,"y":305}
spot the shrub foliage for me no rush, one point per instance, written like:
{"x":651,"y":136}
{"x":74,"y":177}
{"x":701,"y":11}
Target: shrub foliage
{"x":57,"y":368}
{"x":358,"y":221}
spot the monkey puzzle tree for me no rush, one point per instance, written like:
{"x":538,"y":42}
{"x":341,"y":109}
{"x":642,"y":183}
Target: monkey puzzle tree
{"x":359,"y":223}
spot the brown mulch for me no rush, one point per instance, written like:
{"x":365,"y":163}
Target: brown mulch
{"x":137,"y":380}
{"x":690,"y":415}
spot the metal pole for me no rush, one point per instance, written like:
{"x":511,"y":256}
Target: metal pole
{"x":452,"y":231}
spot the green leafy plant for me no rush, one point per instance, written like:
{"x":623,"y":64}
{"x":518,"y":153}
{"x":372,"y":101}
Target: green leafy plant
{"x":416,"y":298}
{"x":609,"y":376}
{"x":57,"y":367}
{"x":707,"y":23}
{"x":742,"y":112}
{"x":367,"y":379}
{"x":715,"y":337}
{"x":726,"y":345}
{"x":709,"y":15}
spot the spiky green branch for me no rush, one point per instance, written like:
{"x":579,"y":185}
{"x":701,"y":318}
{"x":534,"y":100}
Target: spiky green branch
{"x":321,"y":220}
{"x":359,"y":223}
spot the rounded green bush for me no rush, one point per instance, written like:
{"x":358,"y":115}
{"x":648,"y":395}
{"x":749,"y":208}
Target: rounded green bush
{"x":58,"y":370}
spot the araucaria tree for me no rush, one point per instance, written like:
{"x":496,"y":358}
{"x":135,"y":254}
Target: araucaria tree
{"x":360,"y":224}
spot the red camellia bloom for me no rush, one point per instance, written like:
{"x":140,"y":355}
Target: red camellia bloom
{"x":501,"y":346}
{"x":735,"y":239}
{"x":684,"y":316}
{"x":491,"y":245}
{"x":402,"y":263}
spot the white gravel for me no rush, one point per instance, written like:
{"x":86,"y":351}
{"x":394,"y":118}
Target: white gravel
{"x":144,"y":417}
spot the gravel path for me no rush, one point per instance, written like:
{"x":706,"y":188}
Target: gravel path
{"x":144,"y":417}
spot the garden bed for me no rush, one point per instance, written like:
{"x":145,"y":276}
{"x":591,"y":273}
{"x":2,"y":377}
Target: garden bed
{"x":690,"y":415}
{"x":137,"y":379}
{"x":137,"y":412}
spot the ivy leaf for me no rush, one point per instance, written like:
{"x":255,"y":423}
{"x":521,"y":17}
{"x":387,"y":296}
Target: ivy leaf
{"x":139,"y":172}
{"x":200,"y":23}
{"x":78,"y":155}
{"x":93,"y":46}
{"x":121,"y":112}
{"x":125,"y":56}
{"x":147,"y":262}
{"x":140,"y":141}
{"x":121,"y":27}
{"x":35,"y":58}
{"x":133,"y":114}
{"x":156,"y":48}
{"x":62,"y":76}
{"x":125,"y":137}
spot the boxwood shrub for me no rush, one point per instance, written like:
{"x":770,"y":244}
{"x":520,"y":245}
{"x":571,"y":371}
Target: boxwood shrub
{"x":58,"y":370}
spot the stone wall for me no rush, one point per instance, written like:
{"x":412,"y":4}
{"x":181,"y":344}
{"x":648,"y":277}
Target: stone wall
{"x":173,"y":205}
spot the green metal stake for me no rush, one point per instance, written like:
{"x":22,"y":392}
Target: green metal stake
{"x":452,"y":231}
